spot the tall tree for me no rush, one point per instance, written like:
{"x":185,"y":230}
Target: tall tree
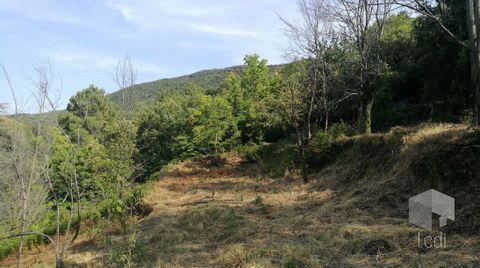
{"x":28,"y":170}
{"x":437,"y":14}
{"x":363,"y":22}
{"x":165,"y":129}
{"x":294,"y":102}
{"x":89,"y":113}
{"x":125,"y":77}
{"x":249,"y":96}
{"x":215,"y":126}
{"x":316,"y":47}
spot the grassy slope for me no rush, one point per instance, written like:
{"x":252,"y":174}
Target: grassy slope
{"x":354,"y":213}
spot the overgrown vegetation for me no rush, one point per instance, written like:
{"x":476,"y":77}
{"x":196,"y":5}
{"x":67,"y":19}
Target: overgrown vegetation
{"x":356,"y":69}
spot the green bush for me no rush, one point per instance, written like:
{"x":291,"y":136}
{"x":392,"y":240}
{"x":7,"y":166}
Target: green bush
{"x":290,"y":263}
{"x":278,"y":158}
{"x":258,"y":200}
{"x":250,"y":150}
{"x":341,"y":129}
{"x":325,"y":147}
{"x":8,"y":246}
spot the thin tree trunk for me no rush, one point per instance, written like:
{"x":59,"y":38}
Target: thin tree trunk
{"x":472,"y":44}
{"x":20,"y":253}
{"x":324,"y":90}
{"x":477,"y":99}
{"x":476,"y":53}
{"x":59,"y":262}
{"x":326,"y":120}
{"x":22,"y":225}
{"x":305,"y":173}
{"x":303,"y":160}
{"x":368,"y":116}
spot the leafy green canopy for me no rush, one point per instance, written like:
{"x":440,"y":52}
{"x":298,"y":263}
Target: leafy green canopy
{"x":99,"y":153}
{"x":190,"y":122}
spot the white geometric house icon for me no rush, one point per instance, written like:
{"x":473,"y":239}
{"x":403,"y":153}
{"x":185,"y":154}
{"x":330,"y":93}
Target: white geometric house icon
{"x":421,"y":207}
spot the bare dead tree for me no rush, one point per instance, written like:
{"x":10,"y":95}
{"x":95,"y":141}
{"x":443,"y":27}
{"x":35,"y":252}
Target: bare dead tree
{"x":24,"y":174}
{"x":427,"y":9}
{"x":45,"y":76}
{"x":308,"y":42}
{"x":363,"y":23}
{"x":38,"y":159}
{"x":125,"y":77}
{"x":311,"y":38}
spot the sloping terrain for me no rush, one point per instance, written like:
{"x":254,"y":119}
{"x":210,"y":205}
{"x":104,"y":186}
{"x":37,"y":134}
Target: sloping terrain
{"x":207,"y":80}
{"x":353,"y":214}
{"x":224,"y":212}
{"x":149,"y":91}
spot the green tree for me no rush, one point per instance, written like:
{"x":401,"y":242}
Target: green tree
{"x":89,"y":111}
{"x":214,"y":125}
{"x":165,"y":129}
{"x":249,"y":97}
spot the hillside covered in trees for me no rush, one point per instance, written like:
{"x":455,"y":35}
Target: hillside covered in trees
{"x":147,"y":92}
{"x":305,"y":164}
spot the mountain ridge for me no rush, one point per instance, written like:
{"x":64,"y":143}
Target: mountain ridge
{"x":208,"y":79}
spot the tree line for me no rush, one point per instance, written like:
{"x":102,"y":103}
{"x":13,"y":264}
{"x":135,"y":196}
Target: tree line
{"x":356,"y":67}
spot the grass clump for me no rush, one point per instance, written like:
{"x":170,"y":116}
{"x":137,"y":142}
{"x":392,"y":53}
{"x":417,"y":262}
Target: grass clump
{"x":213,"y":223}
{"x":258,"y":200}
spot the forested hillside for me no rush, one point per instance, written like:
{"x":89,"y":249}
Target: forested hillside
{"x":306,"y":164}
{"x":148,"y":92}
{"x":208,"y":80}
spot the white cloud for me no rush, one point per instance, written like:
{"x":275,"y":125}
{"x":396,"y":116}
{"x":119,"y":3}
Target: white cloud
{"x":220,"y":30}
{"x":88,"y":60}
{"x":202,"y":45}
{"x":230,"y":18}
{"x":83,"y":60}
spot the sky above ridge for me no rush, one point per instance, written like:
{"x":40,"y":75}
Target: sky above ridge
{"x":83,"y":40}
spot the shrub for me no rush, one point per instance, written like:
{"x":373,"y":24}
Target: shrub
{"x":325,"y":148}
{"x":278,"y":158}
{"x":258,"y":200}
{"x":341,"y":129}
{"x":467,"y":117}
{"x":250,"y":150}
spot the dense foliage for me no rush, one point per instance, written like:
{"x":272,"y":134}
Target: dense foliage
{"x":193,"y":121}
{"x":97,"y":156}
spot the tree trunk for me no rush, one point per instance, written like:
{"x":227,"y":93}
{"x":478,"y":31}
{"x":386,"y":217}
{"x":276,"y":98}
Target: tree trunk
{"x":22,"y":225}
{"x":302,"y":145}
{"x":20,"y":253}
{"x":473,"y":24}
{"x":475,"y":84}
{"x":304,"y":164}
{"x":476,"y":54}
{"x":368,"y":116}
{"x":477,"y":102}
{"x":326,"y":121}
{"x":59,"y":262}
{"x":305,"y":173}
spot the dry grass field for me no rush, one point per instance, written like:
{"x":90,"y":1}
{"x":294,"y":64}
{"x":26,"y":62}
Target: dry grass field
{"x":224,"y":212}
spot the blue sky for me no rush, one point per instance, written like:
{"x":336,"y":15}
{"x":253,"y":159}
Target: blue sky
{"x":165,"y":38}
